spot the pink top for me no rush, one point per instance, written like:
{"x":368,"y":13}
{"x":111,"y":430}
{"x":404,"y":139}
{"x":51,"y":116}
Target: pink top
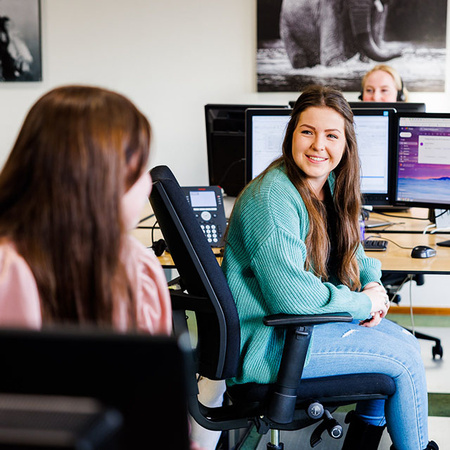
{"x":20,"y":303}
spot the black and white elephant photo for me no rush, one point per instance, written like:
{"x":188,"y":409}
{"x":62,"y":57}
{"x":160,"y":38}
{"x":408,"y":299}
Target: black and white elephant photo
{"x":330,"y":32}
{"x":336,"y":41}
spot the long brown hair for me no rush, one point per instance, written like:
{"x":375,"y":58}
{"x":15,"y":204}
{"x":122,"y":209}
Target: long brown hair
{"x":79,"y":150}
{"x":346,"y":194}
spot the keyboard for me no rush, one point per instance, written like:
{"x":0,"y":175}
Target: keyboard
{"x":375,"y":245}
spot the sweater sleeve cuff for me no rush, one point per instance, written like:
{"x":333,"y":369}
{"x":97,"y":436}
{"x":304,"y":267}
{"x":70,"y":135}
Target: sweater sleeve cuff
{"x":363,"y":306}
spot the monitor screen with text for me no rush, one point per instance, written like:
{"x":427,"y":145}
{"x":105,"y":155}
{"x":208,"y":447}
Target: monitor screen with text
{"x":266,"y":129}
{"x":423,"y":160}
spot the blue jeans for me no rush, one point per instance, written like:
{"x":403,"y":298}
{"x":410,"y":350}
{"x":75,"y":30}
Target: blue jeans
{"x":346,"y":348}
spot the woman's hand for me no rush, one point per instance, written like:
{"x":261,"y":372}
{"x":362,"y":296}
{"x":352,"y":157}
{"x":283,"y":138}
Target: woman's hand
{"x":380,"y":304}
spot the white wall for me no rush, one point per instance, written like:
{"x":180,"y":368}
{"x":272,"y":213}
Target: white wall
{"x":171,"y":57}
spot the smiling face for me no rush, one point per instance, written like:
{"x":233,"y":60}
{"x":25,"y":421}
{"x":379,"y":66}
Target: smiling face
{"x":318,"y":144}
{"x":379,"y":87}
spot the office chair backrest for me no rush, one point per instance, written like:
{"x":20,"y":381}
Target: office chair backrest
{"x":218,"y":325}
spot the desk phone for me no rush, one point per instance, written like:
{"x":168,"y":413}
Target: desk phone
{"x":207,"y":204}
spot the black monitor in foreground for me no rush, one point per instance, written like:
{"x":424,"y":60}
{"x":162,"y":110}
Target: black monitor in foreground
{"x":423,"y":160}
{"x":97,"y":390}
{"x":398,"y":106}
{"x":374,"y":132}
{"x":225,"y":142}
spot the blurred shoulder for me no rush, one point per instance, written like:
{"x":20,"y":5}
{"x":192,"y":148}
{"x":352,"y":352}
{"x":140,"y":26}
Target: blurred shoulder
{"x":19,"y":295}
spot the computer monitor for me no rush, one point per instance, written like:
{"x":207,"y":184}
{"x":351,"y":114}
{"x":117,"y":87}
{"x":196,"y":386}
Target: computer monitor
{"x":71,"y":389}
{"x":265,"y":131}
{"x":398,"y":106}
{"x":225,"y":142}
{"x":375,"y":134}
{"x":422,"y":175}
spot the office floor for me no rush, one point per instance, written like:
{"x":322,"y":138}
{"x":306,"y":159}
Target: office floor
{"x":438,"y":381}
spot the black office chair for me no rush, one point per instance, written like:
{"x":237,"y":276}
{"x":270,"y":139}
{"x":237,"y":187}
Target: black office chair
{"x":202,"y":288}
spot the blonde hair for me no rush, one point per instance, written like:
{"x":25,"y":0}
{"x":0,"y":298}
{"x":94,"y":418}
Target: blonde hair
{"x":393,"y":73}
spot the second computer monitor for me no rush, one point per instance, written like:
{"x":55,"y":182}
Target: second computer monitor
{"x":375,"y":133}
{"x":423,"y":160}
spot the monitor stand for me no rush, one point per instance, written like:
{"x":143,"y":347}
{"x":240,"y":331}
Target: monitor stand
{"x":441,"y":217}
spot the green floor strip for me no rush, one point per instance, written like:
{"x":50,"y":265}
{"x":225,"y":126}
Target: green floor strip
{"x":439,"y":405}
{"x":251,"y":441}
{"x":420,"y":320}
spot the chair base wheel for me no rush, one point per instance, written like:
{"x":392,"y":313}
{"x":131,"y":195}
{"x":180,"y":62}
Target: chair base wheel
{"x":437,"y":350}
{"x":271,"y":446}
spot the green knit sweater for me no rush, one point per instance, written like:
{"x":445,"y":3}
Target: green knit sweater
{"x":264,"y":264}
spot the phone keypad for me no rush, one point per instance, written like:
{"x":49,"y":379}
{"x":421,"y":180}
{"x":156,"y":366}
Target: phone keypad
{"x":211,"y":232}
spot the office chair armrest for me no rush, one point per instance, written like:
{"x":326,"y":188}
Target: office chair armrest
{"x":298,"y":335}
{"x":303,"y":320}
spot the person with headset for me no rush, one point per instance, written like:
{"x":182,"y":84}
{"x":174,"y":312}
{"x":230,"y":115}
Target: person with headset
{"x":293,"y":246}
{"x":383,"y":84}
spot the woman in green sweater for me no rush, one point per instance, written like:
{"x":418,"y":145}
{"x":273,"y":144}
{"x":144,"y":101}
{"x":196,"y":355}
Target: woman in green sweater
{"x":293,"y":246}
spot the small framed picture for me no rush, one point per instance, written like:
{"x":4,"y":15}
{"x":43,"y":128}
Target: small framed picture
{"x":20,"y":40}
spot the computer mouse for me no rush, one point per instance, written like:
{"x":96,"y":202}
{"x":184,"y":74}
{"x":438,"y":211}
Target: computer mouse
{"x":423,"y":251}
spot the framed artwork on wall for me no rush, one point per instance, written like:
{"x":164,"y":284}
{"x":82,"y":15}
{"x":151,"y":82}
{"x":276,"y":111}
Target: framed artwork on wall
{"x":335,"y":42}
{"x":20,"y":40}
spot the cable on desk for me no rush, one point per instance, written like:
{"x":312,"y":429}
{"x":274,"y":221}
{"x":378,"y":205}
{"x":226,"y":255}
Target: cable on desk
{"x":407,"y":278}
{"x":403,"y":217}
{"x":147,"y":227}
{"x":433,"y":225}
{"x":227,"y":171}
{"x":384,"y":238}
{"x":160,"y":246}
{"x":146,"y":218}
{"x":385,"y":227}
{"x":440,"y":230}
{"x":153,"y":231}
{"x":411,"y":312}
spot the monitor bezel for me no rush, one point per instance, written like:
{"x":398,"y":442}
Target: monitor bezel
{"x":377,"y":199}
{"x":382,"y":199}
{"x":412,"y":204}
{"x":398,"y":106}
